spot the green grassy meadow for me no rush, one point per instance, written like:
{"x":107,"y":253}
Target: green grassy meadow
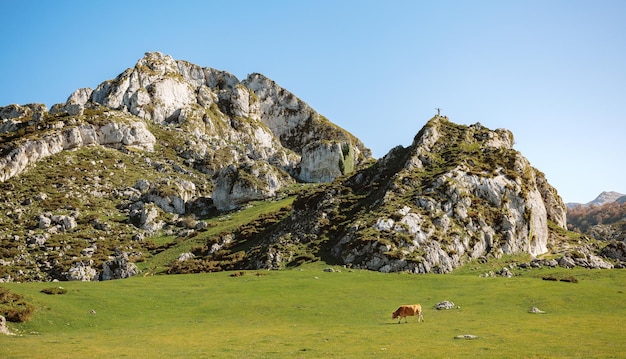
{"x":307,"y":313}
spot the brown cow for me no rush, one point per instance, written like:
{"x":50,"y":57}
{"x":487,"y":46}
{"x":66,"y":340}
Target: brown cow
{"x":408,"y":310}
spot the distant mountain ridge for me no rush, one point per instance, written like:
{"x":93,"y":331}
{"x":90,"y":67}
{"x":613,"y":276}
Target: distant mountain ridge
{"x":605,"y":221}
{"x":603,"y":198}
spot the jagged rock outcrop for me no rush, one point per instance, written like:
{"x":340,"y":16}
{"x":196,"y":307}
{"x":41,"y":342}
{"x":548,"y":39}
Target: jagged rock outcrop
{"x":317,"y":155}
{"x":237,"y":185}
{"x":222,"y":112}
{"x":456,"y":194}
{"x":24,"y":152}
{"x":286,"y":115}
{"x":75,"y":104}
{"x":480,"y":197}
{"x":171,"y":195}
{"x":82,"y":272}
{"x":119,"y":267}
{"x":228,"y":121}
{"x":14,"y":117}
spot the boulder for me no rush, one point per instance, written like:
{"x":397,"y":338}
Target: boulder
{"x":64,"y":223}
{"x":615,"y":250}
{"x":171,"y":195}
{"x":466,"y":337}
{"x":4,"y":329}
{"x":567,"y":262}
{"x":119,"y":267}
{"x":134,"y":134}
{"x":145,"y":216}
{"x":444,"y":305}
{"x":505,"y":272}
{"x":185,"y":256}
{"x":38,"y":240}
{"x":82,"y":272}
{"x":252,"y":181}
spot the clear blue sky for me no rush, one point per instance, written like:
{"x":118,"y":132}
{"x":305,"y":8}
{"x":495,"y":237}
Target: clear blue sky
{"x":553,"y":72}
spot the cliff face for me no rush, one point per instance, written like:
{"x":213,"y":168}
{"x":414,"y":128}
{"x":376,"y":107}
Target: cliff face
{"x":59,"y":136}
{"x":456,"y":194}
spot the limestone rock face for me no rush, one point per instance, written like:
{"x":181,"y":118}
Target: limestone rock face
{"x":235,"y":186}
{"x":113,"y":134}
{"x":275,"y":124}
{"x":323,"y":161}
{"x":119,"y":267}
{"x":225,"y":122}
{"x":82,"y":272}
{"x":14,"y":117}
{"x":457,"y":193}
{"x":252,"y":120}
{"x":294,"y":121}
{"x":171,"y":195}
{"x":553,"y":202}
{"x":485,"y":199}
{"x":134,"y":134}
{"x":75,"y":104}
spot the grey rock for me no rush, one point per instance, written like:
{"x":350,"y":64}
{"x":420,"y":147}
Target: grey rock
{"x":134,"y":134}
{"x":185,"y":256}
{"x":615,"y":250}
{"x":237,"y":185}
{"x":466,"y":337}
{"x":444,"y":305}
{"x":82,"y":272}
{"x":4,"y":329}
{"x":535,"y":310}
{"x":567,"y":262}
{"x":119,"y":267}
{"x":145,"y":216}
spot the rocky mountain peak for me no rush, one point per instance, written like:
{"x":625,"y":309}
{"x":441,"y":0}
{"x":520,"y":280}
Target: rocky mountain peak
{"x":224,"y":121}
{"x":606,"y":197}
{"x":457,"y":193}
{"x":165,"y":138}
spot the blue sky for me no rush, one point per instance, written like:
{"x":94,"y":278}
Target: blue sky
{"x":553,"y":72}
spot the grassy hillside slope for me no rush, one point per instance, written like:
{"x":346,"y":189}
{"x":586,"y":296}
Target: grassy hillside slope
{"x":308,"y":313}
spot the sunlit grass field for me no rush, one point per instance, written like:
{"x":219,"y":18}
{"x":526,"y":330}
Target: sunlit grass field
{"x":308,"y":313}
